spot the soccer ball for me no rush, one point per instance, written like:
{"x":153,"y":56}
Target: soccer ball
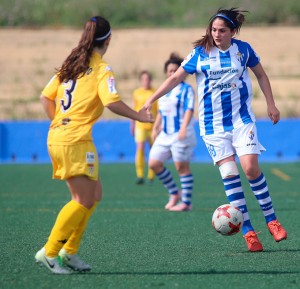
{"x":227,"y":220}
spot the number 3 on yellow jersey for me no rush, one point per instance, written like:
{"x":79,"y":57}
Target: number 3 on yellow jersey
{"x":66,"y":102}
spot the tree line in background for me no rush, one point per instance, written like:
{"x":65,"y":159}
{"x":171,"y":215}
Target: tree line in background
{"x":142,"y":13}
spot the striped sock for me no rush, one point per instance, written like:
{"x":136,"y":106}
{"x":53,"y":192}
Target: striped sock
{"x":261,"y":192}
{"x":187,"y":183}
{"x":167,"y":179}
{"x":235,"y":194}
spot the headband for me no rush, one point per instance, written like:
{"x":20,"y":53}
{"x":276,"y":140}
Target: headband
{"x":225,"y":17}
{"x":104,"y":37}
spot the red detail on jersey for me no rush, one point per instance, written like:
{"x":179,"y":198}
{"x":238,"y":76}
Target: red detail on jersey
{"x":223,"y":212}
{"x":234,"y":228}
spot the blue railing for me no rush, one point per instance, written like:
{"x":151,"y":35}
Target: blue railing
{"x":25,"y":141}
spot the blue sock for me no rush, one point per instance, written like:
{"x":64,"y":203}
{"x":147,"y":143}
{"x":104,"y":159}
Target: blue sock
{"x":261,"y":192}
{"x":187,"y":183}
{"x":235,"y":194}
{"x":167,"y":179}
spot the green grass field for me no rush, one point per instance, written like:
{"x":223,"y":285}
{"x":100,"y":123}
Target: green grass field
{"x":132,"y":242}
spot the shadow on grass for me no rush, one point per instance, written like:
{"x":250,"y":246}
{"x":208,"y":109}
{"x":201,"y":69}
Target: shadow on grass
{"x":264,"y":252}
{"x":192,"y":273}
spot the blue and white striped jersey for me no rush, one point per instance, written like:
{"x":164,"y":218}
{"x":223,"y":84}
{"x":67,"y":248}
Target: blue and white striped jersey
{"x":224,"y":86}
{"x":173,"y":106}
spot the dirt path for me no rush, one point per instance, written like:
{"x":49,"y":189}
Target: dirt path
{"x":28,"y":59}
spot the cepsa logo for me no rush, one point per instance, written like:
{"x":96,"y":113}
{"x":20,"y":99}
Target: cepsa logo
{"x":222,"y":86}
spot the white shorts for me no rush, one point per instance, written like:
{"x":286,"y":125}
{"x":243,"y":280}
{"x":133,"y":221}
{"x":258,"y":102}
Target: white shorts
{"x":241,"y":141}
{"x":168,"y":146}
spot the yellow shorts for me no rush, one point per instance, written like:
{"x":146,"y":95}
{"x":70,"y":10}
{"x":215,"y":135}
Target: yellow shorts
{"x":142,"y":135}
{"x":74,"y":160}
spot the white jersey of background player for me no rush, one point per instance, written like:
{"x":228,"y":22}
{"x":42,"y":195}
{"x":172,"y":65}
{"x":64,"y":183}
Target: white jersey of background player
{"x":175,"y":138}
{"x":173,"y":106}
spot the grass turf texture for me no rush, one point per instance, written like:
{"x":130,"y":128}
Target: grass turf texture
{"x":132,"y":242}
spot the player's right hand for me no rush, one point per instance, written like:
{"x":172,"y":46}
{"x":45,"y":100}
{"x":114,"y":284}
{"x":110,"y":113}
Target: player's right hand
{"x":145,"y":115}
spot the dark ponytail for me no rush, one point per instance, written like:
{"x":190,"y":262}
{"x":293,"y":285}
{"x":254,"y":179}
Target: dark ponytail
{"x":173,"y":59}
{"x":94,"y":34}
{"x":233,"y":18}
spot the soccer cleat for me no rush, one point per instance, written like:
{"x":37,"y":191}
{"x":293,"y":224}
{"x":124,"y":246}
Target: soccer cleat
{"x":253,"y":243}
{"x":277,"y":231}
{"x":139,"y":181}
{"x":172,"y":201}
{"x":53,"y":264}
{"x":181,"y":207}
{"x":73,"y":261}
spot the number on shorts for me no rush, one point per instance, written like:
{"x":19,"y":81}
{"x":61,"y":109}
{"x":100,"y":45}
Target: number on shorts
{"x":67,"y":102}
{"x":211,"y":150}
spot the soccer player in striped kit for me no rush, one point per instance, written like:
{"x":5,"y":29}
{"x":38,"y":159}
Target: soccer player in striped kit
{"x":226,"y":119}
{"x":175,"y":138}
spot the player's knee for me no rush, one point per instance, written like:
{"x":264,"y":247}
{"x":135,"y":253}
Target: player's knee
{"x":183,"y":168}
{"x":228,"y":169}
{"x":251,"y":172}
{"x":86,"y":202}
{"x":156,"y":166}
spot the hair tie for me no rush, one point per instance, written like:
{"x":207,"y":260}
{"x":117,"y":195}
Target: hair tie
{"x":94,"y":19}
{"x":104,"y":37}
{"x":225,"y":17}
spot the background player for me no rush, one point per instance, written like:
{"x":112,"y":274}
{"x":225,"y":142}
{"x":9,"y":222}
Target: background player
{"x":142,"y":131}
{"x":174,"y":136}
{"x":227,"y":122}
{"x":74,"y":99}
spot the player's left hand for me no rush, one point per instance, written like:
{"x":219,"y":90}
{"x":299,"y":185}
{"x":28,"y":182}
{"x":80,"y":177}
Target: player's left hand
{"x":182,"y":133}
{"x":273,"y":113}
{"x":148,"y":105}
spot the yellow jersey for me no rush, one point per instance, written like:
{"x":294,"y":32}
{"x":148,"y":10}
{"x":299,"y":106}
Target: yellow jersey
{"x":140,"y":95}
{"x":80,"y":103}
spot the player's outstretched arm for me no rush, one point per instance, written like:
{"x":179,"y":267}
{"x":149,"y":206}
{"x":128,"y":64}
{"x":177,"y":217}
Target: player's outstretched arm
{"x":166,"y":86}
{"x":49,"y":106}
{"x":156,"y":127}
{"x":188,"y":115}
{"x":120,"y":108}
{"x":265,"y":86}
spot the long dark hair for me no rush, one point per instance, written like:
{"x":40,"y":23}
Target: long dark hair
{"x":173,"y":59}
{"x":95,"y":32}
{"x":233,"y":19}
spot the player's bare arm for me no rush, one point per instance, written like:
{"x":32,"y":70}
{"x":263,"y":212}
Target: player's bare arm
{"x":265,"y":86}
{"x":48,"y":105}
{"x":186,"y":120}
{"x":120,"y":108}
{"x":156,"y":127}
{"x":166,"y":86}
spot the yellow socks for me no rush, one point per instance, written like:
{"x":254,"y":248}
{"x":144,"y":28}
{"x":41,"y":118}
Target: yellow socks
{"x":140,"y":163}
{"x":151,"y":174}
{"x":73,"y":243}
{"x":68,"y":220}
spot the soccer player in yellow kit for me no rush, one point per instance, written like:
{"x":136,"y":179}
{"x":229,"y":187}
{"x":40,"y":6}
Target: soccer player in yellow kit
{"x":73,"y":100}
{"x":142,"y":131}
